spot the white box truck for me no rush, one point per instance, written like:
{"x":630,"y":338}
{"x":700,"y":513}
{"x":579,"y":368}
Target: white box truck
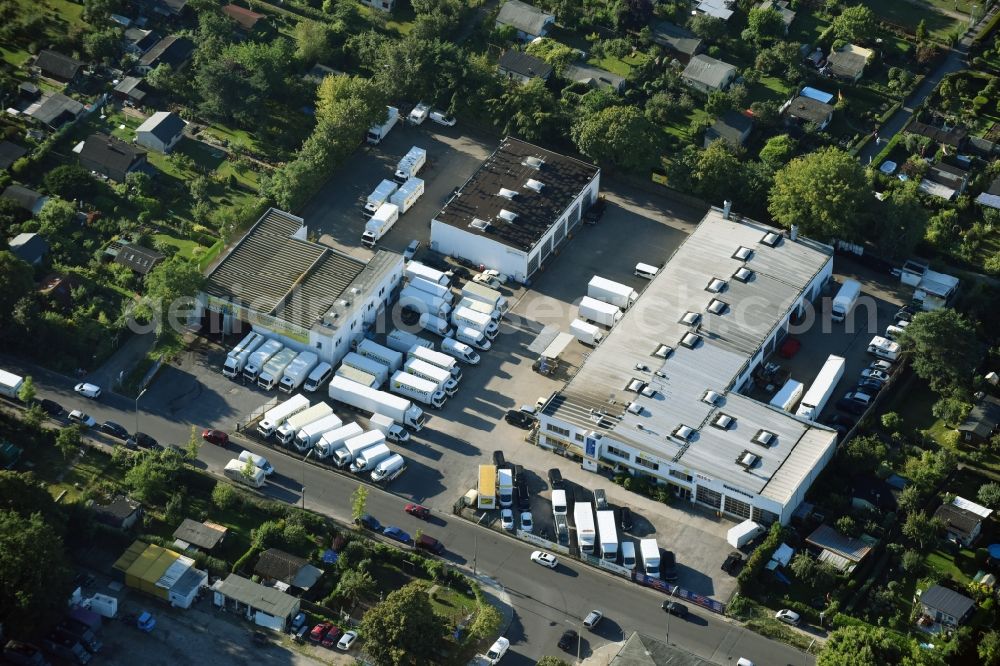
{"x":432,"y":373}
{"x":319,"y":376}
{"x":433,"y":288}
{"x":274,"y":369}
{"x":466,"y":317}
{"x":845,"y":299}
{"x":369,"y":400}
{"x":333,"y":441}
{"x":378,"y":132}
{"x":237,"y":471}
{"x":407,"y":194}
{"x":411,"y":164}
{"x":280,"y":413}
{"x":259,"y":359}
{"x":415,"y":269}
{"x":459,"y":350}
{"x":258,"y":460}
{"x":788,"y":395}
{"x":822,"y":388}
{"x":434,"y":324}
{"x":404,"y":341}
{"x":311,"y":433}
{"x":480,"y":307}
{"x":419,"y":114}
{"x":286,"y":431}
{"x":366,"y":364}
{"x":350,"y":446}
{"x":505,"y":487}
{"x":389,"y":469}
{"x":368,"y":458}
{"x":393,"y":431}
{"x":586,"y":333}
{"x":10,"y":384}
{"x":379,"y":196}
{"x":650,"y":551}
{"x":298,"y":371}
{"x":416,"y":388}
{"x":359,"y":376}
{"x":608,"y":534}
{"x":492,"y":297}
{"x":390,"y":358}
{"x":379,"y":224}
{"x":423,"y":302}
{"x":599,"y":312}
{"x":472,"y":336}
{"x":237,"y":357}
{"x":612,"y":292}
{"x":744,"y":533}
{"x":583,"y":520}
{"x":439,"y":359}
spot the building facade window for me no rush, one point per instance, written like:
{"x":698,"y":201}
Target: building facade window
{"x":556,"y":429}
{"x":612,"y":451}
{"x":578,"y":436}
{"x":763,"y":516}
{"x":709,"y":497}
{"x":737,"y":508}
{"x":681,"y":475}
{"x":649,"y":464}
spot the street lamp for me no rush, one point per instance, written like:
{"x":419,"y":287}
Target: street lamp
{"x":304,"y":459}
{"x":669,"y":597}
{"x":141,"y":393}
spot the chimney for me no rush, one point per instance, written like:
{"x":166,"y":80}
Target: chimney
{"x":793,"y":233}
{"x":727,"y":208}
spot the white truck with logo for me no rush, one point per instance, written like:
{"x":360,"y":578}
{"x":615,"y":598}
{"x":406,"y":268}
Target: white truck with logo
{"x":238,"y":471}
{"x":407,"y":194}
{"x":286,"y":431}
{"x":432,"y":373}
{"x":423,"y":302}
{"x":379,"y":196}
{"x":586,"y":333}
{"x":491,"y":297}
{"x":433,"y":288}
{"x":608,"y":534}
{"x":417,"y":388}
{"x":280,"y":413}
{"x":439,"y":359}
{"x":822,"y":388}
{"x":236,"y":360}
{"x":615,"y":293}
{"x":333,"y":441}
{"x":392,"y":430}
{"x":583,"y":520}
{"x":369,"y":400}
{"x":415,"y":269}
{"x":369,"y":458}
{"x":310,"y":434}
{"x":259,"y":359}
{"x":389,"y":469}
{"x":359,"y":376}
{"x":505,"y":487}
{"x":379,"y":224}
{"x":459,"y":350}
{"x":298,"y":371}
{"x":845,"y":299}
{"x":390,"y":358}
{"x":367,"y":365}
{"x":404,"y":341}
{"x":411,"y":164}
{"x":434,"y":324}
{"x":378,"y":132}
{"x":275,"y":368}
{"x":599,"y":312}
{"x":350,"y":446}
{"x":466,"y":317}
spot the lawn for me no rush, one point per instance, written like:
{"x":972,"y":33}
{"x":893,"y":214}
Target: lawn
{"x":806,"y":27}
{"x":681,"y":127}
{"x":960,"y":566}
{"x":451,"y":604}
{"x":619,"y":66}
{"x":188,"y":249}
{"x":769,"y":88}
{"x":907,"y":15}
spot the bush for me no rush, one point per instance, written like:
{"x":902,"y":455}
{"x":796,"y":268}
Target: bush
{"x":225,"y":496}
{"x":753,"y":569}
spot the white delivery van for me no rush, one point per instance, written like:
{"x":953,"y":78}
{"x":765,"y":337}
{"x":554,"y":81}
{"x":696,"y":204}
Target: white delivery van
{"x":628,"y":555}
{"x":460,"y":351}
{"x":646,"y":271}
{"x":236,"y":471}
{"x":559,"y":506}
{"x":259,"y":461}
{"x":320,"y":375}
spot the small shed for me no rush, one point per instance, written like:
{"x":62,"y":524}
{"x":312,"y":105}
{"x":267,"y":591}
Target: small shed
{"x":946,"y":606}
{"x":161,"y":131}
{"x":10,"y":152}
{"x":838,"y":550}
{"x":58,"y":67}
{"x":963,"y":520}
{"x":205,"y":535}
{"x":982,"y":422}
{"x":286,"y":569}
{"x":265,"y":606}
{"x":120,"y":513}
{"x":732,"y":127}
{"x":30,"y":248}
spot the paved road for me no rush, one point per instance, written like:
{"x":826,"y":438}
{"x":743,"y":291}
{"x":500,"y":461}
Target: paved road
{"x":546,"y":602}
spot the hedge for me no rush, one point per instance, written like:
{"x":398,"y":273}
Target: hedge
{"x":760,"y":557}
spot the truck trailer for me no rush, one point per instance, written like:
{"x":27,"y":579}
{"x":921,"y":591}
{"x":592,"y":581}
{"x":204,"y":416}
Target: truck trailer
{"x":608,"y":534}
{"x":368,"y":458}
{"x":615,"y":293}
{"x":404,"y":341}
{"x":423,"y":302}
{"x":433,"y":288}
{"x":379,"y":224}
{"x":845,"y":299}
{"x":822,"y":388}
{"x":415,"y":269}
{"x":407,"y":194}
{"x":432,"y":373}
{"x":788,"y":396}
{"x":369,"y":400}
{"x":278,"y":414}
{"x":237,"y":357}
{"x":439,"y":359}
{"x":366,"y":364}
{"x":359,"y":376}
{"x":417,"y":388}
{"x":378,"y":132}
{"x":258,"y":359}
{"x":586,"y":333}
{"x":379,"y":196}
{"x":310,"y":434}
{"x":287,"y":431}
{"x":411,"y":164}
{"x":390,"y":358}
{"x":583,"y":520}
{"x":487,"y":487}
{"x":505,"y":487}
{"x":298,"y":371}
{"x":345,"y":446}
{"x":599,"y":312}
{"x":274,"y":369}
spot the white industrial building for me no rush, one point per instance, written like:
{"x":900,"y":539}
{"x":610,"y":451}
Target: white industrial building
{"x":307,"y":295}
{"x":661,"y":395}
{"x":516,"y":209}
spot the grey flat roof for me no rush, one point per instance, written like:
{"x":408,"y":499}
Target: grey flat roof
{"x":728,"y":342}
{"x":947,"y":601}
{"x":707,"y":70}
{"x":521,"y":63}
{"x":808,"y":109}
{"x":527,"y":18}
{"x":563,"y":179}
{"x":199,"y":534}
{"x":267,"y":599}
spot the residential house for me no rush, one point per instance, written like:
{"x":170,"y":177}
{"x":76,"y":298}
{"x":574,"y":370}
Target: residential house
{"x":121,"y":513}
{"x":140,"y":259}
{"x":161,"y":131}
{"x":172,"y":50}
{"x":138,"y":40}
{"x":246,"y":19}
{"x":205,"y":535}
{"x":522,"y":67}
{"x":265,"y":606}
{"x":595,"y":77}
{"x":707,"y":74}
{"x":55,"y":111}
{"x":29,"y":200}
{"x":804,"y":110}
{"x":111,"y":157}
{"x":733,"y":127}
{"x":681,"y":43}
{"x":168,"y":8}
{"x":529,"y":21}
{"x":953,"y":137}
{"x":991,"y":197}
{"x":58,"y":67}
{"x":780,"y":6}
{"x":286,"y":570}
{"x":946,"y":606}
{"x":963,"y":520}
{"x":944,"y":181}
{"x":10,"y":152}
{"x":130,"y":90}
{"x":848,"y":62}
{"x":840,"y":551}
{"x":720,"y":9}
{"x":30,"y":248}
{"x":384,"y":5}
{"x":983,"y":421}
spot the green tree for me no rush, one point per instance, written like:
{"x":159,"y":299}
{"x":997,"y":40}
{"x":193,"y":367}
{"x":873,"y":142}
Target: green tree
{"x":912,"y":562}
{"x":26,"y":393}
{"x":529,"y":111}
{"x":352,"y":555}
{"x":23,"y":494}
{"x":848,"y":526}
{"x":68,"y":441}
{"x":901,"y":221}
{"x":359,"y":502}
{"x":943,"y":349}
{"x":825,"y":193}
{"x":989,"y":648}
{"x":163,"y":77}
{"x":778,"y":151}
{"x":312,"y":41}
{"x":551,"y":661}
{"x":193,"y":444}
{"x":269,"y":534}
{"x":103,"y":46}
{"x":856,"y":24}
{"x":225,"y":496}
{"x":98,"y":12}
{"x":764,"y":25}
{"x":921,"y":31}
{"x":921,"y":529}
{"x":355,"y":585}
{"x":168,"y":283}
{"x":910,"y":499}
{"x":950,"y":409}
{"x":199,"y":188}
{"x":153,"y":476}
{"x":865,"y":645}
{"x":618,"y":136}
{"x":70,"y":181}
{"x":57,"y":223}
{"x":707,"y":27}
{"x":719,"y":174}
{"x":18,"y":280}
{"x":487,"y":621}
{"x":32,"y":595}
{"x":33,"y":416}
{"x":863,"y":454}
{"x":633,"y":14}
{"x":403,"y":629}
{"x":892,"y":422}
{"x":803,"y":566}
{"x":989,"y":495}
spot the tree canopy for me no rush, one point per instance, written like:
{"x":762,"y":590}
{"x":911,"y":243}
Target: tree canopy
{"x":943,"y":349}
{"x":18,"y":279}
{"x":403,"y":629}
{"x":855,"y":24}
{"x":764,"y":24}
{"x":865,"y":645}
{"x":618,"y":136}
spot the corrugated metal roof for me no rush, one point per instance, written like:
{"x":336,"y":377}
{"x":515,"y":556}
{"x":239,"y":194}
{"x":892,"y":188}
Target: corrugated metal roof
{"x":266,"y":599}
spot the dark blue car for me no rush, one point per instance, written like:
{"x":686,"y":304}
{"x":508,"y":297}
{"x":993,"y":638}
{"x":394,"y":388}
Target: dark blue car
{"x":397,"y":534}
{"x":370,"y":522}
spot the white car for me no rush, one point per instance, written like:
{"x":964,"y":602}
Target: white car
{"x":82,"y":418}
{"x":545,"y":559}
{"x":488,"y":280}
{"x":441,"y":118}
{"x":787,"y":616}
{"x":497,"y":650}
{"x":884,"y":366}
{"x":743,"y":661}
{"x":411,"y":250}
{"x":526,"y":522}
{"x":593,"y":618}
{"x":347,"y":640}
{"x":507,"y":519}
{"x":495,"y":274}
{"x":88,"y":390}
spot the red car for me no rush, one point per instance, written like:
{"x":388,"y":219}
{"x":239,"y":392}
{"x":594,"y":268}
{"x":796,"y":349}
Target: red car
{"x":332,"y":636}
{"x":216,"y":437}
{"x":417,"y":511}
{"x":319,"y":631}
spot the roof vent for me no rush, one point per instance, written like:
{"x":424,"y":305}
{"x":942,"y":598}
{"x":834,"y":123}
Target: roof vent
{"x":683,"y":432}
{"x":507,"y":194}
{"x":723,"y":421}
{"x":743,"y":274}
{"x":507,"y":215}
{"x":747,"y":460}
{"x":716,"y":285}
{"x":642,"y":367}
{"x":690,"y":340}
{"x":711,"y":397}
{"x":535,"y":185}
{"x":742,"y":253}
{"x":635,"y":385}
{"x":717,"y":307}
{"x":771,"y":239}
{"x":649,"y":392}
{"x":478,"y":223}
{"x":764,"y":438}
{"x":533,"y":162}
{"x":634,"y":408}
{"x":691,"y":318}
{"x":663,"y":351}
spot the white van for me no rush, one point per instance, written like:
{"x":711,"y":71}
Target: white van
{"x":559,"y":507}
{"x":320,"y":375}
{"x":235,"y":471}
{"x":628,"y":555}
{"x":260,"y":461}
{"x":646,"y":271}
{"x":893,"y":332}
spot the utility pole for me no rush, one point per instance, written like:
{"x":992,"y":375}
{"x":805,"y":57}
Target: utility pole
{"x":141,"y":393}
{"x":304,"y":459}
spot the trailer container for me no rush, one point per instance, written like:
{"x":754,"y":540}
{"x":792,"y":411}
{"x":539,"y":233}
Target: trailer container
{"x":615,"y":293}
{"x":307,"y":436}
{"x":822,"y":388}
{"x":390,"y":358}
{"x":368,"y":458}
{"x":466,"y":317}
{"x":378,"y":132}
{"x":369,"y":400}
{"x":274,"y":369}
{"x":367,"y":365}
{"x":433,"y":288}
{"x":379,"y":196}
{"x":489,"y":296}
{"x":439,"y":359}
{"x":359,"y":376}
{"x":788,"y":396}
{"x":379,"y":224}
{"x":286,"y":431}
{"x":393,"y":431}
{"x":599,"y":312}
{"x":259,"y":359}
{"x":407,"y":194}
{"x":404,"y":341}
{"x":608,"y":534}
{"x":423,"y":302}
{"x":434,"y":324}
{"x":298,"y":371}
{"x":410,"y":165}
{"x":586,"y":333}
{"x":417,"y":388}
{"x":415,"y":269}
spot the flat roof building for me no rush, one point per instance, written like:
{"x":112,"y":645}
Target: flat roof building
{"x":264,"y":606}
{"x":309,"y":295}
{"x":516,"y":208}
{"x":660,"y":395}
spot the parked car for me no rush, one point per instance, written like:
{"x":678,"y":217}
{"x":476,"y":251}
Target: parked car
{"x":625,"y":518}
{"x":217,"y":437}
{"x":600,"y":499}
{"x":485,"y":278}
{"x":733,"y":563}
{"x":545,"y":559}
{"x":331,"y":636}
{"x":429,"y":544}
{"x":668,"y":565}
{"x":675,"y":608}
{"x":569,"y":640}
{"x":298,"y":622}
{"x":88,"y":390}
{"x":885,"y":366}
{"x":499,"y":460}
{"x":519,"y":418}
{"x":411,"y":250}
{"x":497,"y":650}
{"x":347,"y":640}
{"x":114,"y":429}
{"x":523,"y":497}
{"x":50,"y":407}
{"x":787,"y":616}
{"x":301,"y":633}
{"x":555,"y":478}
{"x":904,"y":314}
{"x":507,"y":519}
{"x":82,"y":418}
{"x":441,"y":118}
{"x":396,"y":533}
{"x":875,"y":375}
{"x":369,"y":522}
{"x":141,"y":439}
{"x":527,"y":523}
{"x":593,"y":618}
{"x":319,"y":631}
{"x":596,"y":211}
{"x":417,"y":511}
{"x":869,"y":386}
